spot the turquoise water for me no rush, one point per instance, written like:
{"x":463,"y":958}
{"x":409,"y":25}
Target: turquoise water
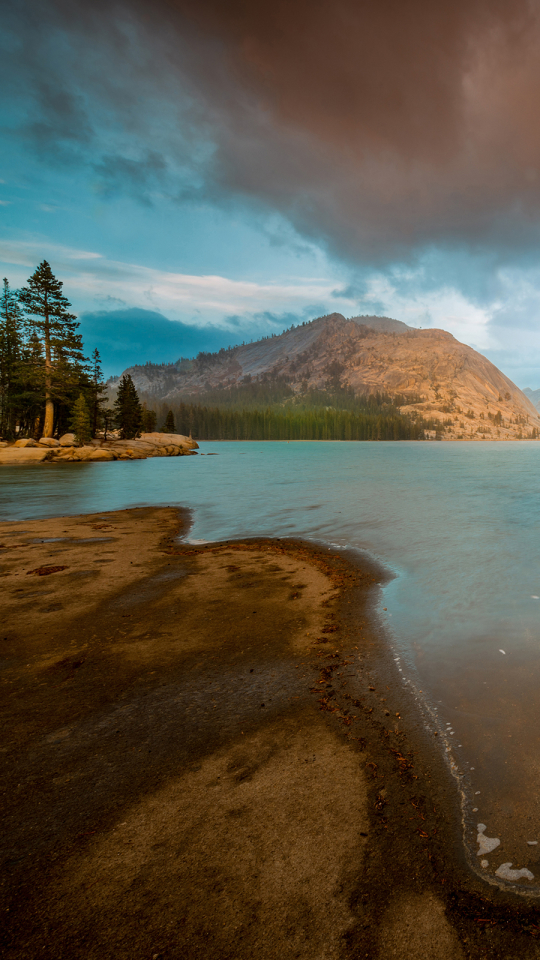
{"x":458,"y":523}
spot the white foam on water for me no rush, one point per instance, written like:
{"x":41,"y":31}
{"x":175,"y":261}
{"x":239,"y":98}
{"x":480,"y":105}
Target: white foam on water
{"x":505,"y":873}
{"x":485,"y":844}
{"x":533,"y":597}
{"x":532,"y":843}
{"x":502,"y":651}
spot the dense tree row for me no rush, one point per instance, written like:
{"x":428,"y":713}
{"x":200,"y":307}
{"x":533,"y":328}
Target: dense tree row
{"x":215,"y":423}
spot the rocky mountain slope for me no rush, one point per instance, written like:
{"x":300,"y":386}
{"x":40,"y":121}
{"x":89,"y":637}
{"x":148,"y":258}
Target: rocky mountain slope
{"x":433,"y":373}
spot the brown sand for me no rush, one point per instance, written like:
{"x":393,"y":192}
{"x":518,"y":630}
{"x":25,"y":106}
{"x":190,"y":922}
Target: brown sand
{"x":206,"y":756}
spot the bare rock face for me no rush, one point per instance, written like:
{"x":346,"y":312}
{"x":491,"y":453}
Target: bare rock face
{"x":431,"y":373}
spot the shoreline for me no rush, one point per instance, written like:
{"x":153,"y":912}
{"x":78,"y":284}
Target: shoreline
{"x":134,"y":650}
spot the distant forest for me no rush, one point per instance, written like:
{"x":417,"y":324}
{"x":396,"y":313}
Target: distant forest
{"x":272,"y":411}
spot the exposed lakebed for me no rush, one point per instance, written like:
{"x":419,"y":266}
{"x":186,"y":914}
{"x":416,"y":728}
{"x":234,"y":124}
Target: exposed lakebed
{"x":458,"y":525}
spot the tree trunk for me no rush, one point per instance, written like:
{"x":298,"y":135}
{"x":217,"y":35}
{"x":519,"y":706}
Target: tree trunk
{"x":48,"y":424}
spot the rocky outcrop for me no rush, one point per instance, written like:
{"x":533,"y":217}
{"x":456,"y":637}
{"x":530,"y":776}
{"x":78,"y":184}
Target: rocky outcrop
{"x":14,"y":455}
{"x":99,"y":451}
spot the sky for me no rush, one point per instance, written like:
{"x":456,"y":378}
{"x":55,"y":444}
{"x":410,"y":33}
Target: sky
{"x":200,"y":173}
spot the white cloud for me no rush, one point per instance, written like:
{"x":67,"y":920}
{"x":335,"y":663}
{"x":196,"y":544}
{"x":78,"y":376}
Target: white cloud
{"x":401,"y":296}
{"x":28,"y":253}
{"x":88,"y":278}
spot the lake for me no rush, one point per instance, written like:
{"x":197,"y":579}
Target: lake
{"x":459,"y":525}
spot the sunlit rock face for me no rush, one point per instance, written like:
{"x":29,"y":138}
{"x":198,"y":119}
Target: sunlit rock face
{"x":430,"y":371}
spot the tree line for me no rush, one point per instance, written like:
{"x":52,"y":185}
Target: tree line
{"x":224,"y":423}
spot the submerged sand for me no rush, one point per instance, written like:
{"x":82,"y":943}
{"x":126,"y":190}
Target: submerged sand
{"x":207,"y":755}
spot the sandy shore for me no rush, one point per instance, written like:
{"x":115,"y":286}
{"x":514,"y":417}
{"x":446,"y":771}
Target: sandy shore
{"x":207,"y":754}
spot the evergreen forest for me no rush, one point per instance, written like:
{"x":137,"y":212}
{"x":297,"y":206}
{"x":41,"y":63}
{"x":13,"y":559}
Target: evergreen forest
{"x":273,"y":411}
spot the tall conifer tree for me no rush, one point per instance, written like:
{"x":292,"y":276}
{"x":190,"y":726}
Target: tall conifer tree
{"x":128,"y":409}
{"x":80,"y":421}
{"x":56,"y":329}
{"x":169,"y":426}
{"x":11,"y":339}
{"x":97,"y":388}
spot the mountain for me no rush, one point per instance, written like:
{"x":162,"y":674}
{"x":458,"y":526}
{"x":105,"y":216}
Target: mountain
{"x":431,"y":373}
{"x":533,"y":396}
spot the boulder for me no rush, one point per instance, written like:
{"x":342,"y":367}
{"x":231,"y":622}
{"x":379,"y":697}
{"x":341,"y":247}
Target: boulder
{"x":176,"y":439}
{"x":3,"y":443}
{"x":49,"y":442}
{"x":63,"y":453}
{"x":68,"y":440}
{"x":24,"y":454}
{"x":85,"y":452}
{"x":132,"y":455}
{"x":27,"y":442}
{"x":101,"y":455}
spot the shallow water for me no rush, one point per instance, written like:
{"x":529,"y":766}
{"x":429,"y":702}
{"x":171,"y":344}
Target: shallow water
{"x":458,"y":523}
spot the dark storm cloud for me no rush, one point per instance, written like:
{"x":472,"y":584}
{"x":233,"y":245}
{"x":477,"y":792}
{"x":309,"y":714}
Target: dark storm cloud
{"x":62,"y":127}
{"x":377,"y":127}
{"x":137,"y":178}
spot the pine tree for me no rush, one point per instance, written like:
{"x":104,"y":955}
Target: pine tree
{"x":11,"y":324}
{"x":56,"y":329}
{"x":109,"y":418}
{"x":80,"y":421}
{"x":128,"y":409}
{"x":97,"y":389}
{"x":169,"y":423}
{"x":149,"y":419}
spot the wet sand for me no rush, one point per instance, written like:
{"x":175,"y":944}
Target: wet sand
{"x":208,"y":753}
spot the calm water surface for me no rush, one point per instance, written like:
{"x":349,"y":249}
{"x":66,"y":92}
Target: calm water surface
{"x":460,"y":526}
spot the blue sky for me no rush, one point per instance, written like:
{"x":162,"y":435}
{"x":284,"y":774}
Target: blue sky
{"x":195,"y":183}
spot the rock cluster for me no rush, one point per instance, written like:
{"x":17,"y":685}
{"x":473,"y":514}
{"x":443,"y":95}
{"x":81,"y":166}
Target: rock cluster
{"x":66,"y":450}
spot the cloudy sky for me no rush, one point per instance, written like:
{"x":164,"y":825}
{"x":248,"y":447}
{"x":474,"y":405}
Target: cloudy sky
{"x":200,"y":172}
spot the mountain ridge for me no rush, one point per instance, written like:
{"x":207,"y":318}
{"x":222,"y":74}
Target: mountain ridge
{"x":434,"y":374}
{"x":533,"y":396}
